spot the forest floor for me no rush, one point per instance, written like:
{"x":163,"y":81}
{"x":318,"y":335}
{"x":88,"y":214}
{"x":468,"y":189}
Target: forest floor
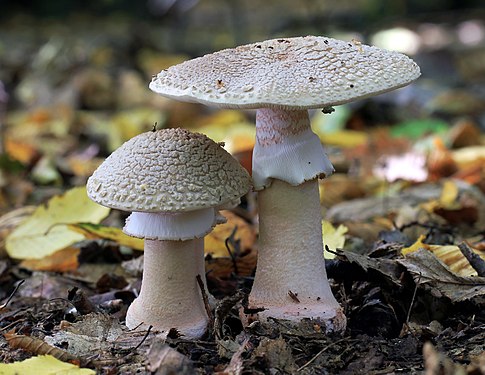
{"x":396,"y":242}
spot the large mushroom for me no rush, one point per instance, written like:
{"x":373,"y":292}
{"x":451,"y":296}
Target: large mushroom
{"x":282,"y":79}
{"x":174,"y":182}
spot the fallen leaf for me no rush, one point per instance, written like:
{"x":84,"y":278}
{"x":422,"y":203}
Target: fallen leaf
{"x":218,"y":260}
{"x":215,"y":241}
{"x":427,"y":270}
{"x":464,"y":133}
{"x":333,"y":238}
{"x":238,"y":136}
{"x":419,"y":244}
{"x":415,"y":129}
{"x":449,"y":194}
{"x":96,"y":231}
{"x":45,"y":232}
{"x":449,"y":255}
{"x":21,"y":151}
{"x":164,"y":360}
{"x":344,"y":138}
{"x":468,"y":155}
{"x":440,"y":162}
{"x":43,"y":365}
{"x":61,"y":261}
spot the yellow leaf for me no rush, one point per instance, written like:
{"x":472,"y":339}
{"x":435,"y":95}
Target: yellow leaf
{"x":214,"y":242}
{"x":126,"y":124}
{"x":449,"y":255}
{"x":95,"y":231}
{"x":45,"y":232}
{"x":415,"y":246}
{"x":43,"y":365}
{"x":344,"y":138}
{"x":237,"y":137}
{"x":449,"y":193}
{"x":221,"y":119}
{"x":333,"y":238}
{"x":447,"y":199}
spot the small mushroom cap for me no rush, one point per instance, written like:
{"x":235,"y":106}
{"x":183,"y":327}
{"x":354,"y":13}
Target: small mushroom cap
{"x":291,"y":73}
{"x":169,"y":170}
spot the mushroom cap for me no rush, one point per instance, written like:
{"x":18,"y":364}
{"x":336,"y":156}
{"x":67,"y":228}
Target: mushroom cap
{"x":291,"y":73}
{"x":169,"y":170}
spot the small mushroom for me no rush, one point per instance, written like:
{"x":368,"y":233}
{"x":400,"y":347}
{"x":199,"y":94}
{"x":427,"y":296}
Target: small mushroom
{"x":174,"y":182}
{"x":288,"y":157}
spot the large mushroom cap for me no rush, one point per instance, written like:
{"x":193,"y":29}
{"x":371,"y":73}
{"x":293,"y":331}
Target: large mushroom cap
{"x":292,"y":73}
{"x":169,"y":170}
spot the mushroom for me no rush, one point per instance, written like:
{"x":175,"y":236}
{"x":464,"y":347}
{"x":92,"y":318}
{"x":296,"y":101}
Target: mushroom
{"x":282,"y":79}
{"x":174,"y":182}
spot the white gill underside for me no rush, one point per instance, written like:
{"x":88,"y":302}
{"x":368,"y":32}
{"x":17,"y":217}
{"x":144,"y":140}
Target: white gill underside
{"x":171,"y":226}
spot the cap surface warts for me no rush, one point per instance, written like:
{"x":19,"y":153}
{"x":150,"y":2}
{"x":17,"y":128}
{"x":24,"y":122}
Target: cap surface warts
{"x":293,"y":73}
{"x":170,"y":170}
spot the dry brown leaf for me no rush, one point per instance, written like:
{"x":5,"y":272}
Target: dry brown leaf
{"x":164,"y":360}
{"x":37,"y":346}
{"x":61,"y":261}
{"x":428,"y":271}
{"x":22,"y":151}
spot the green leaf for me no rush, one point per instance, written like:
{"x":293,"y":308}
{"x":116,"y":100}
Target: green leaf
{"x":415,"y":129}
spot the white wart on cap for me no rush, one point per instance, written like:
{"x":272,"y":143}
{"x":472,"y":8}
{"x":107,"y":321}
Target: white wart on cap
{"x":291,"y":73}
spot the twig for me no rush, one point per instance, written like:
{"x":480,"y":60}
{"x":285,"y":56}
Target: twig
{"x":412,"y":300}
{"x":206,"y":301}
{"x":233,"y":258}
{"x":143,"y":339}
{"x":318,"y":354}
{"x":473,"y":258}
{"x":2,"y":306}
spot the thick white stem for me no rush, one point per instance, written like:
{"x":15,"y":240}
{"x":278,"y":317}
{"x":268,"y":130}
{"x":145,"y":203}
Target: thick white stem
{"x":290,"y":258}
{"x":170,"y":296}
{"x":291,"y":281}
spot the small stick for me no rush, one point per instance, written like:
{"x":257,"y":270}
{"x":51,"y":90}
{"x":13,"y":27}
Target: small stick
{"x":233,"y":257}
{"x":2,"y":306}
{"x":473,"y":258}
{"x":206,"y":300}
{"x":318,"y":354}
{"x":412,"y":300}
{"x":143,"y":339}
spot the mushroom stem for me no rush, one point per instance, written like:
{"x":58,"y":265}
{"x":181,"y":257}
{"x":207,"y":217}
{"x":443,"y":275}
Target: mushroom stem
{"x":170,"y":296}
{"x":290,"y":258}
{"x":287,"y":149}
{"x":291,"y":281}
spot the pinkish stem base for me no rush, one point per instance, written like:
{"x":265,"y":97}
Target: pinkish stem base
{"x":170,"y":296}
{"x":291,"y":281}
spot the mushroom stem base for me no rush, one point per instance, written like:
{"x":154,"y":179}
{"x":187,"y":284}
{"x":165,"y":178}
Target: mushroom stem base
{"x":170,"y":296}
{"x":291,"y":281}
